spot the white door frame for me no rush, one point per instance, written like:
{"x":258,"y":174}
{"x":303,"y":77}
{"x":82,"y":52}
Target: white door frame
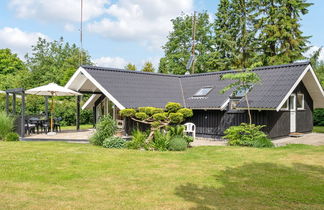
{"x":292,"y":110}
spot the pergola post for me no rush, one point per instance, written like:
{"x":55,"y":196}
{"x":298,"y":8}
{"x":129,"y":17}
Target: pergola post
{"x":14,"y":103}
{"x":94,"y":110}
{"x":46,"y":107}
{"x":7,"y":103}
{"x":78,"y":113}
{"x":22,"y":132}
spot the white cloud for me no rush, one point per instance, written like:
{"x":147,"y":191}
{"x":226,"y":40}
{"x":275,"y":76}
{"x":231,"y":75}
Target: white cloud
{"x":58,"y":10}
{"x":69,"y":27}
{"x":145,"y":21}
{"x":313,"y":49}
{"x":18,"y":41}
{"x":114,"y":62}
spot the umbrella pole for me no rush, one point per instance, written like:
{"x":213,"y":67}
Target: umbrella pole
{"x":52,"y":111}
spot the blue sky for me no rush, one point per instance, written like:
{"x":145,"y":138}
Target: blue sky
{"x":115,"y":31}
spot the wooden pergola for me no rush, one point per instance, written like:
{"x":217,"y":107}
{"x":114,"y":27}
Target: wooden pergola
{"x":21,"y":123}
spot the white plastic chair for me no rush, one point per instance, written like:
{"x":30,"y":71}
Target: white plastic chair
{"x":190,"y":128}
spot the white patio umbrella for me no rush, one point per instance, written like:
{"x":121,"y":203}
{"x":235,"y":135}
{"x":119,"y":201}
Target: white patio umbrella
{"x":52,"y":89}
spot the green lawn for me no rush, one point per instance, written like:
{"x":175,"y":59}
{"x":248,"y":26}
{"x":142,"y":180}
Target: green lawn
{"x":82,"y":127}
{"x":58,"y":175}
{"x":318,"y":129}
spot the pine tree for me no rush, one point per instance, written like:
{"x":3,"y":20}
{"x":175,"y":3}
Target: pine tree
{"x":235,"y":35}
{"x":148,"y":67}
{"x":222,"y":57}
{"x":179,"y":41}
{"x":281,"y":39}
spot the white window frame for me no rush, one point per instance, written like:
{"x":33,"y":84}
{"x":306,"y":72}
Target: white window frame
{"x":303,"y":101}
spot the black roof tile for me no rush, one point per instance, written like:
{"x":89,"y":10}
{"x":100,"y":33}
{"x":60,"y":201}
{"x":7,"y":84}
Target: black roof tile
{"x":136,"y":89}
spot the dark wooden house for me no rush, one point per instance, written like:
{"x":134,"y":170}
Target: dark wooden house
{"x":284,"y":100}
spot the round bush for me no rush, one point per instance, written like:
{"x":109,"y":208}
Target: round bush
{"x":12,"y":137}
{"x":114,"y":142}
{"x":178,"y":144}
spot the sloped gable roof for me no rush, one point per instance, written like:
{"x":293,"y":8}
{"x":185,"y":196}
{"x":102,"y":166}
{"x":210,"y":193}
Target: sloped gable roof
{"x":135,"y":89}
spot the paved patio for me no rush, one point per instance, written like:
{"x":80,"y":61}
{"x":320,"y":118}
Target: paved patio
{"x":65,"y":135}
{"x":316,"y":139}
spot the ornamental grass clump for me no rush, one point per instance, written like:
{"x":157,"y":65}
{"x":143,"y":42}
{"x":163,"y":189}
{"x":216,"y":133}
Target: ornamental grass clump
{"x":6,"y":125}
{"x":105,"y":128}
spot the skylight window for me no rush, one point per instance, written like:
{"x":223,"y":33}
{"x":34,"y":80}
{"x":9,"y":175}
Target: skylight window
{"x":241,"y":92}
{"x":203,"y":91}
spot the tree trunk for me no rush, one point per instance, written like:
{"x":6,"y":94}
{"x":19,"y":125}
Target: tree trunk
{"x":248,"y":108}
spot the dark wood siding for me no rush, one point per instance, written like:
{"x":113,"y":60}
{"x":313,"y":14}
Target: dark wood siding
{"x":304,"y":117}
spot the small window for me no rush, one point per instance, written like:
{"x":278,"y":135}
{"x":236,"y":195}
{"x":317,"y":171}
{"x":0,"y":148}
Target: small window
{"x":300,"y":101}
{"x":285,"y":106}
{"x":203,"y":91}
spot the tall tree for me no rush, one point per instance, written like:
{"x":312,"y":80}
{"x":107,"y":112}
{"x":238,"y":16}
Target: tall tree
{"x":12,"y":70}
{"x":281,"y":38}
{"x":54,"y":61}
{"x":9,"y":62}
{"x":179,"y":41}
{"x":235,"y":35}
{"x":222,"y":56}
{"x":130,"y":66}
{"x":148,"y":67}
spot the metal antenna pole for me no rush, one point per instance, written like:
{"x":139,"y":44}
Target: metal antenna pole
{"x":81,"y":22}
{"x":193,"y":41}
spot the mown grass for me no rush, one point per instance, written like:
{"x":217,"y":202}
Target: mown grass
{"x":73,"y":127}
{"x":318,"y":129}
{"x":56,"y":175}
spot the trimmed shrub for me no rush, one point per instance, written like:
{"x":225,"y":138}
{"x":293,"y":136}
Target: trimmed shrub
{"x":186,"y":112}
{"x":176,"y":118}
{"x":161,"y":141}
{"x":178,"y":144}
{"x":114,"y":142}
{"x":12,"y":137}
{"x":106,"y":127}
{"x":172,"y":107}
{"x":262,"y":143}
{"x":127,"y":112}
{"x":160,"y":116}
{"x":6,"y":125}
{"x":141,"y":115}
{"x":245,"y":135}
{"x":138,"y":140}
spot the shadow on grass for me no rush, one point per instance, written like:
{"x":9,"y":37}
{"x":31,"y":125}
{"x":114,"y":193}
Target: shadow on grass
{"x":260,"y":185}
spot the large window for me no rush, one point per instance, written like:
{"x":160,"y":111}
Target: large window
{"x":300,"y":101}
{"x":203,"y":91}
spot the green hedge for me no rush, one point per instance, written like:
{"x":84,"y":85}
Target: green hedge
{"x":319,"y":117}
